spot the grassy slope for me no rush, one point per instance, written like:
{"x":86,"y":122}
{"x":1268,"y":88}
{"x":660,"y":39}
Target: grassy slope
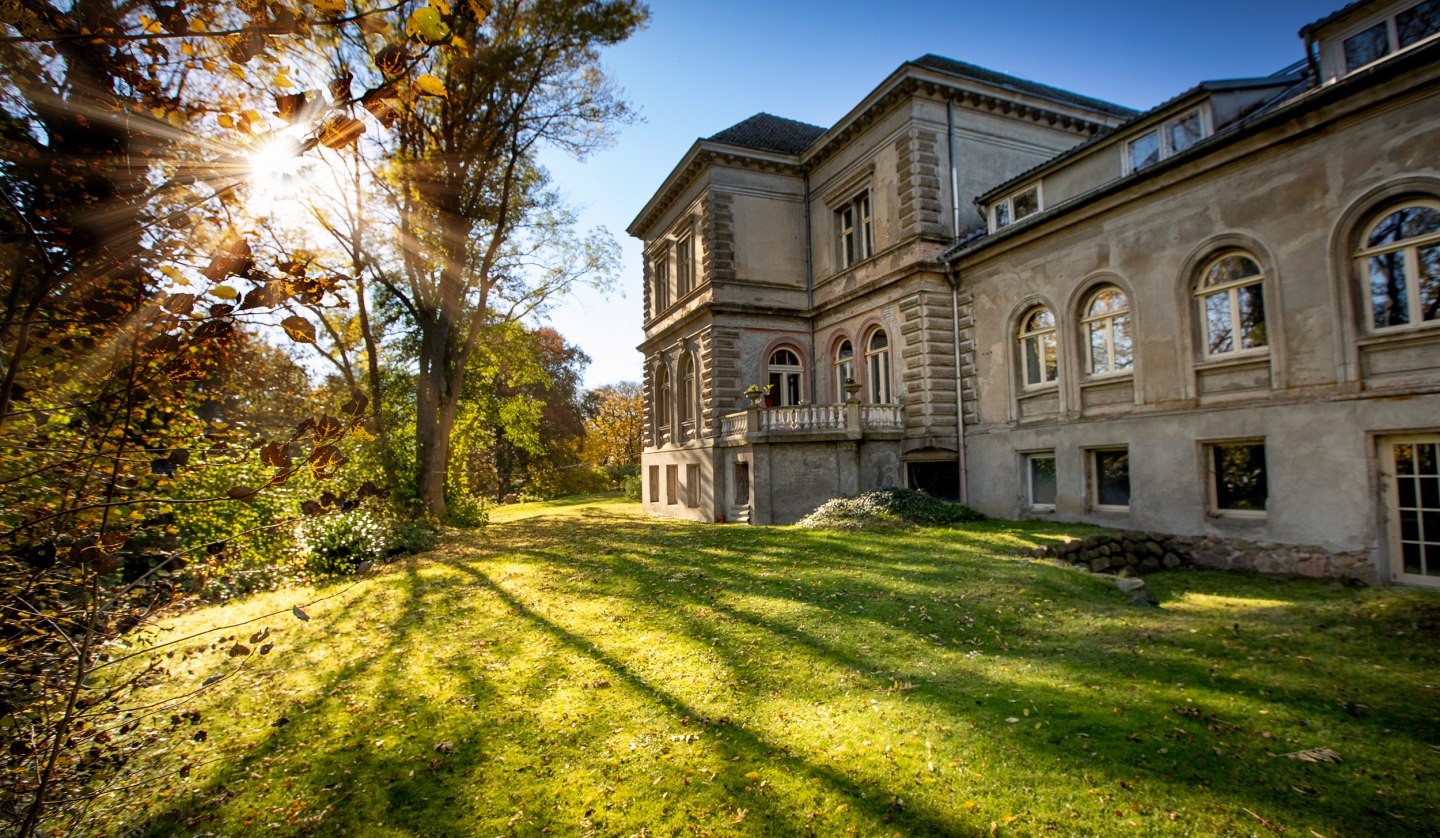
{"x":592,"y":671}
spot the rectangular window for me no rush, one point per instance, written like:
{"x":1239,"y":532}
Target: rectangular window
{"x":1417,"y":23}
{"x":1026,"y":203}
{"x":1365,"y":47}
{"x":672,"y":485}
{"x":692,"y":485}
{"x":1002,"y":214}
{"x":654,"y":481}
{"x":1110,"y":478}
{"x":857,"y":237}
{"x":661,"y":292}
{"x":684,"y":266}
{"x":1144,"y":151}
{"x":1238,"y":480}
{"x":1183,"y":132}
{"x":1040,"y":475}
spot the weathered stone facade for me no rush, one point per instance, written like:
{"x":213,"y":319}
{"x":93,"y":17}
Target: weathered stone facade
{"x":1168,"y":321}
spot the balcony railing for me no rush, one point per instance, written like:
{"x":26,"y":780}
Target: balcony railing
{"x":854,"y":419}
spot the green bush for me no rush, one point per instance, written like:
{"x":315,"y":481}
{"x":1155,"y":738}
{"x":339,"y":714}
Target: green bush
{"x":890,"y":506}
{"x":630,"y":487}
{"x":336,"y":544}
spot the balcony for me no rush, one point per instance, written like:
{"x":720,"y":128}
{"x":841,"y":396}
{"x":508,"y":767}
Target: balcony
{"x":812,"y":422}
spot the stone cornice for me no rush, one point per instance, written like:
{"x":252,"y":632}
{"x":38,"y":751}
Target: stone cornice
{"x":905,"y":83}
{"x":701,"y":156}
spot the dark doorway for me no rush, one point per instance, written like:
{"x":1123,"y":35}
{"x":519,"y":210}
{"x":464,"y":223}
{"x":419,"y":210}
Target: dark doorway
{"x":938,"y":478}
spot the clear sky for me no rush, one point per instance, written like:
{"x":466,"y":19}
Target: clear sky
{"x":703,"y":65}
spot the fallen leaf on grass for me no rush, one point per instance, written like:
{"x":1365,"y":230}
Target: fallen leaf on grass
{"x":1315,"y":755}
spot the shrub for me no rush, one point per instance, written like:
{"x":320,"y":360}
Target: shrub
{"x":630,"y":487}
{"x":337,"y":544}
{"x":890,"y":506}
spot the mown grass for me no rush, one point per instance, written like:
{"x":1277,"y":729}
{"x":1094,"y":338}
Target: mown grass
{"x":593,"y":672}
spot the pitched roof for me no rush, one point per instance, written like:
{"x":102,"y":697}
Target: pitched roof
{"x":1309,"y":28}
{"x":970,"y":71}
{"x":765,"y":132}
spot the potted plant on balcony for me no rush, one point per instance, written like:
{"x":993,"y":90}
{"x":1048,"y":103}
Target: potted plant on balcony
{"x":757,"y":394}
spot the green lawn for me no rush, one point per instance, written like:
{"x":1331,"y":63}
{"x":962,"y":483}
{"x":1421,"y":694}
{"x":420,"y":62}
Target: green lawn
{"x":589,"y":671}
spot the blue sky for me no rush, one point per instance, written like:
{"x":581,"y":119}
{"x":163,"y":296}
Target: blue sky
{"x":703,"y":65}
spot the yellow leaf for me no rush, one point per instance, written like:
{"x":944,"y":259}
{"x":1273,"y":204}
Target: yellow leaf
{"x":427,"y":26}
{"x":441,"y":6}
{"x":330,"y":7}
{"x":282,"y":78}
{"x":429,"y":85}
{"x":753,"y":775}
{"x":226,"y":121}
{"x":175,"y":275}
{"x":225,"y":292}
{"x":188,"y":49}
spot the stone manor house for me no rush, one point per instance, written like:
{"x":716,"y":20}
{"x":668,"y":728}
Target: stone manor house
{"x":1217,"y":319}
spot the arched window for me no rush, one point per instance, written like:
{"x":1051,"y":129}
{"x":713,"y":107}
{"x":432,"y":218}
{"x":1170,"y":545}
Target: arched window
{"x":844,"y":368}
{"x":785,"y":377}
{"x":1231,"y":296}
{"x":662,"y":405}
{"x":1400,"y":260}
{"x":687,"y":397}
{"x":1109,"y":336}
{"x":1037,"y":347}
{"x":877,"y":361}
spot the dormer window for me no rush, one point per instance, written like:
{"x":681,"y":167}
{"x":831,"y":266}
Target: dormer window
{"x":1016,"y":206}
{"x":1392,"y":34}
{"x":1169,"y":139}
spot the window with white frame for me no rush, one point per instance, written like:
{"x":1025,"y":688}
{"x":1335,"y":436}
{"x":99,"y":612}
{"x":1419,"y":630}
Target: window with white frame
{"x":684,"y":265}
{"x":857,"y":236}
{"x":662,"y":405}
{"x":1040,"y":481}
{"x":844,"y":368}
{"x":1406,"y":29}
{"x":1038,"y":355}
{"x":1109,"y":336}
{"x":877,"y":359}
{"x":1016,"y":206}
{"x":1171,"y":138}
{"x":1238,"y":479}
{"x":786,"y":377}
{"x":687,"y":397}
{"x":1231,"y":297}
{"x":1400,"y":260}
{"x":1110,"y":478}
{"x":660,"y":276}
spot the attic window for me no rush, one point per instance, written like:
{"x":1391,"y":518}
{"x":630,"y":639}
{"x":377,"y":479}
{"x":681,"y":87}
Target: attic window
{"x":1417,"y":23}
{"x":1019,"y":205}
{"x":1175,"y":136}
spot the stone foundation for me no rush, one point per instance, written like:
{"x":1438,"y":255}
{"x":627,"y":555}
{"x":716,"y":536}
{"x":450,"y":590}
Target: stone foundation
{"x":1269,"y":557}
{"x":1134,"y":554}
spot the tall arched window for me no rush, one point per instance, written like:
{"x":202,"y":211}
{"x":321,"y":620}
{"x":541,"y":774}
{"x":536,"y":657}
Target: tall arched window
{"x":785,"y":377}
{"x":1037,"y":347}
{"x":1109,"y":337}
{"x":877,"y":362}
{"x":687,"y":397}
{"x":844,"y":368}
{"x":1400,"y":260}
{"x":662,"y":404}
{"x":1231,"y":296}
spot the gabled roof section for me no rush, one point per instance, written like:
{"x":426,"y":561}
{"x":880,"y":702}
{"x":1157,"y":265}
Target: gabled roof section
{"x":950,"y":66}
{"x":766,"y":132}
{"x":1311,"y":28}
{"x":1288,"y":83}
